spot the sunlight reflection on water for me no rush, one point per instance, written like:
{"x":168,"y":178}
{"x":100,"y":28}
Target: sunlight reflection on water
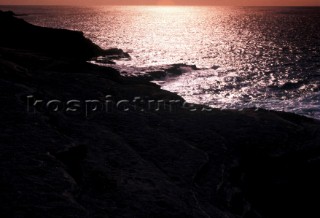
{"x":265,"y":57}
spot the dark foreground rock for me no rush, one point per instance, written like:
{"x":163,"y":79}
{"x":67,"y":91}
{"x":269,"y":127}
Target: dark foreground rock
{"x":142,"y":164}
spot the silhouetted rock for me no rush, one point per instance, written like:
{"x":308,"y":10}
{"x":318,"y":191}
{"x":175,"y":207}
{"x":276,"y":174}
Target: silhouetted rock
{"x":157,"y":74}
{"x":115,"y":53}
{"x":16,"y":33}
{"x":215,"y":67}
{"x":134,"y":160}
{"x":108,"y":56}
{"x":178,"y":69}
{"x":292,"y":85}
{"x":72,"y":158}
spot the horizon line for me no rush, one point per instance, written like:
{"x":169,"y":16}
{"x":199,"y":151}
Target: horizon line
{"x":155,"y":5}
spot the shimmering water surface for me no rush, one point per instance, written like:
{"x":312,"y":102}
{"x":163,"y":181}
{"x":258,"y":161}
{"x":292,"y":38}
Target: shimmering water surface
{"x":265,"y":57}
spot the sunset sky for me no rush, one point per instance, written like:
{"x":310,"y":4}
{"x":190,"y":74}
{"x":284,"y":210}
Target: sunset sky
{"x":164,"y":2}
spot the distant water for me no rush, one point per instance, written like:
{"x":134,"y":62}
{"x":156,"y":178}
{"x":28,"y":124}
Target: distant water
{"x":266,"y":57}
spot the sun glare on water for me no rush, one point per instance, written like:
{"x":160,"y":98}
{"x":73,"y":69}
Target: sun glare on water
{"x":245,"y":57}
{"x":165,"y":2}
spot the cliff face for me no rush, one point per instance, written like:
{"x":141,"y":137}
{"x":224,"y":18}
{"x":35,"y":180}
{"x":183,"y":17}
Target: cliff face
{"x":139,"y":163}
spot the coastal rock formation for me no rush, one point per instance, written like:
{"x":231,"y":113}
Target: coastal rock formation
{"x":16,"y":33}
{"x":134,"y":160}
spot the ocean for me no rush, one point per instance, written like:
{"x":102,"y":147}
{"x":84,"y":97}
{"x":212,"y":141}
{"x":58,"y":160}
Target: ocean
{"x":224,"y":57}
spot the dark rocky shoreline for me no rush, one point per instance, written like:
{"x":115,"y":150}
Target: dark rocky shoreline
{"x":134,"y":164}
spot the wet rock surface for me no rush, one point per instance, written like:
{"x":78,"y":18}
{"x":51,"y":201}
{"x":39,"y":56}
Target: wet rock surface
{"x":142,"y":163}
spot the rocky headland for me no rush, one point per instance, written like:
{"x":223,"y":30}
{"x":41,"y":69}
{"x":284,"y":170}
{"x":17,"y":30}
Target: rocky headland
{"x":73,"y":159}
